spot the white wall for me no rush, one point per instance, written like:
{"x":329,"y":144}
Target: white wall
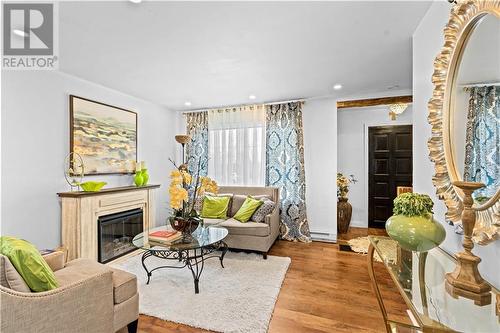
{"x":35,"y":141}
{"x":427,"y":42}
{"x":352,"y":149}
{"x":320,"y":154}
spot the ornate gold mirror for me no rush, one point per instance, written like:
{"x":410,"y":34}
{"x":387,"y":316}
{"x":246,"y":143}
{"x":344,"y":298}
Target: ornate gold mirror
{"x":465,"y":114}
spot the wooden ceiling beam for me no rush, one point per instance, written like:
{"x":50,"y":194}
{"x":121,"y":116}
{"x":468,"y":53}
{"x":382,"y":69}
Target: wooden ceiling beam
{"x":361,"y":103}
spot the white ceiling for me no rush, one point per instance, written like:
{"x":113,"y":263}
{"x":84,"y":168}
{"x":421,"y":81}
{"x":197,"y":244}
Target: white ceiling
{"x":218,"y":53}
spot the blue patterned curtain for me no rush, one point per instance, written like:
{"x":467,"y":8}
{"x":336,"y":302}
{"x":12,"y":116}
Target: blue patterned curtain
{"x":197,"y":149}
{"x":482,"y":147}
{"x":285,"y":167}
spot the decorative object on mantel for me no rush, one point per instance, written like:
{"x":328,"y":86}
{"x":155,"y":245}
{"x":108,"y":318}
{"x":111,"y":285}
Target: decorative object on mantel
{"x":397,"y":109}
{"x":344,"y":208}
{"x":466,"y":280}
{"x":74,"y":170}
{"x":183,"y":139}
{"x":144,"y":172}
{"x":141,"y":177}
{"x":184,"y":190}
{"x":92,"y":186}
{"x":104,"y":135}
{"x":413,"y":225}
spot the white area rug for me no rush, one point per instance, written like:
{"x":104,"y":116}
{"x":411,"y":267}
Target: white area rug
{"x":237,"y":298}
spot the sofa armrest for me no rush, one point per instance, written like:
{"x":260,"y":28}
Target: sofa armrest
{"x":86,"y":305}
{"x":55,"y":260}
{"x":274,"y":221}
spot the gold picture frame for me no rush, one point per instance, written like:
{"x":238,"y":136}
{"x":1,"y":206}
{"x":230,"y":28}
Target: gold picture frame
{"x":465,"y":16}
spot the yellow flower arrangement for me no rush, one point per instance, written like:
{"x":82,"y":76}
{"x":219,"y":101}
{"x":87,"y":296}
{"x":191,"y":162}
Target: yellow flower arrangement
{"x":182,"y":184}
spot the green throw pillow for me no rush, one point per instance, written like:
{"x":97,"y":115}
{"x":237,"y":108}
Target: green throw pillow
{"x":28,"y":263}
{"x":247,"y":209}
{"x":215,"y":207}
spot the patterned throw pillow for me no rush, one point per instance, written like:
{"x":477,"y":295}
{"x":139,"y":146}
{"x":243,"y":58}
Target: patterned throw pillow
{"x":265,"y":209}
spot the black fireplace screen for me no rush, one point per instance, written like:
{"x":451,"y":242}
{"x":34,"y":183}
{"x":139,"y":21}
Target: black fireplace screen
{"x":116,"y":232}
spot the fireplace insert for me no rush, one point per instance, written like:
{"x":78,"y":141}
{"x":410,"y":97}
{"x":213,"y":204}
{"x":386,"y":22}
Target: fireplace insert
{"x":115,"y":233}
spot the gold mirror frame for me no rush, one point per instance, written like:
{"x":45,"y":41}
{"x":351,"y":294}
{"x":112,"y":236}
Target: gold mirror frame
{"x":464,"y":17}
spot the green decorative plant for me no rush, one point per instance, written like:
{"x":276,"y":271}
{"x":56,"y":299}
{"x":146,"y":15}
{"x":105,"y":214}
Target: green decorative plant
{"x":413,"y":204}
{"x":413,"y":225}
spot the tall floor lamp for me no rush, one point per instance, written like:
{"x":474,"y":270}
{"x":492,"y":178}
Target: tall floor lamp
{"x":183,"y":139}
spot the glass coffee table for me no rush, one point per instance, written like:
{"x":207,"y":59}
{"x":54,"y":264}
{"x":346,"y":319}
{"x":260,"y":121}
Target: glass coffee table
{"x":205,"y":242}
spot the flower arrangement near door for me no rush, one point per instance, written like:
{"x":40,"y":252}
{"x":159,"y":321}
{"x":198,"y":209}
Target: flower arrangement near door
{"x":184,"y":190}
{"x":344,"y":208}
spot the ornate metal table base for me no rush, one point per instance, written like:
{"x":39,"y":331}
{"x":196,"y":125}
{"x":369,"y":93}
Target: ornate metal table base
{"x":193,"y":258}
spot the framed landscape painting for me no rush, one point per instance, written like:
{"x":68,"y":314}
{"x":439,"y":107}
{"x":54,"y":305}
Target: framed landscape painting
{"x":105,"y":136}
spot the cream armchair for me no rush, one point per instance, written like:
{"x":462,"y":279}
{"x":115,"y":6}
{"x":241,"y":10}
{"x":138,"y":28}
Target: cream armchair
{"x":91,"y":297}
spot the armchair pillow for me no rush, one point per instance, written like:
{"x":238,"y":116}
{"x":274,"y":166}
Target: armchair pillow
{"x":10,"y":278}
{"x":247,"y":209}
{"x":215,"y":207}
{"x":28,"y":263}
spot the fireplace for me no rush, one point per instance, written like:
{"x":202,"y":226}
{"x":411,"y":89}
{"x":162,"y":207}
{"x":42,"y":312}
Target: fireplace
{"x":115,"y":234}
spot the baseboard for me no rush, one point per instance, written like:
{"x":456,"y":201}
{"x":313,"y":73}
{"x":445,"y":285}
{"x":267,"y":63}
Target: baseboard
{"x":324,"y":237}
{"x":359,"y":224}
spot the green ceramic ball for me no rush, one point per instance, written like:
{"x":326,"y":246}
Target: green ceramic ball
{"x":415,"y":233}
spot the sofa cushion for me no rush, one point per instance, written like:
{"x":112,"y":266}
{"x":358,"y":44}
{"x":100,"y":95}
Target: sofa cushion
{"x":198,"y":205}
{"x":10,"y":278}
{"x":215,"y":207}
{"x":78,"y":270}
{"x":265,"y":209}
{"x":124,"y":285}
{"x":29,"y":263}
{"x":239,"y":199}
{"x":247,"y":229}
{"x":209,"y":222}
{"x":247,"y":209}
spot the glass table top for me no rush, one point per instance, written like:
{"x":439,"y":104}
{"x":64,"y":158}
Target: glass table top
{"x":202,"y":237}
{"x":420,"y":278}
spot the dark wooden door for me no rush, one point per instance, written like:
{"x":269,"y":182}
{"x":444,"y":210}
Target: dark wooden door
{"x":390,"y":165}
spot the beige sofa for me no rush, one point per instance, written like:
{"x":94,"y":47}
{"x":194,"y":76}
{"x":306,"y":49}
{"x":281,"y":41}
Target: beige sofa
{"x":91,"y":297}
{"x":252,"y":236}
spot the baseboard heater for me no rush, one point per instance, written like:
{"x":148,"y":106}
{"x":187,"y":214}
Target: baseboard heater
{"x":324,"y":237}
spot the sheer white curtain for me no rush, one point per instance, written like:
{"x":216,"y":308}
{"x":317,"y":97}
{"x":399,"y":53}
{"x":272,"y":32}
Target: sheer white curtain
{"x":236,"y":141}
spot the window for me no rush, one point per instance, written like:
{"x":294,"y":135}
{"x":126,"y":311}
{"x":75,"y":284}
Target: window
{"x":236,"y":141}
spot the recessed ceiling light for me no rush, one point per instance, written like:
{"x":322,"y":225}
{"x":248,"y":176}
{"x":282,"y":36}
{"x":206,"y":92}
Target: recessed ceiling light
{"x":19,"y":33}
{"x":135,"y":1}
{"x":252,"y":97}
{"x":337,"y":86}
{"x":188,"y":103}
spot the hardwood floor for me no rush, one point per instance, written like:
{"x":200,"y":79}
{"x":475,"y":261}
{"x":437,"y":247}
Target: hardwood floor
{"x":325,"y":290}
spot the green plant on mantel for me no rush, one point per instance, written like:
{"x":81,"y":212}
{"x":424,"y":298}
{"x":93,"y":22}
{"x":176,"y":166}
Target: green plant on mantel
{"x":413,"y":204}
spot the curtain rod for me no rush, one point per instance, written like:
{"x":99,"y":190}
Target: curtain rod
{"x":480,"y":84}
{"x":248,"y":104}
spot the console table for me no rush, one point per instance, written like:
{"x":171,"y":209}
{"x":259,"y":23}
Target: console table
{"x":80,"y":211}
{"x":420,"y":279}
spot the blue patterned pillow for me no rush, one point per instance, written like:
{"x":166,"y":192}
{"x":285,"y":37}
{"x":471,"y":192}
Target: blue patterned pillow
{"x":265,"y":209}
